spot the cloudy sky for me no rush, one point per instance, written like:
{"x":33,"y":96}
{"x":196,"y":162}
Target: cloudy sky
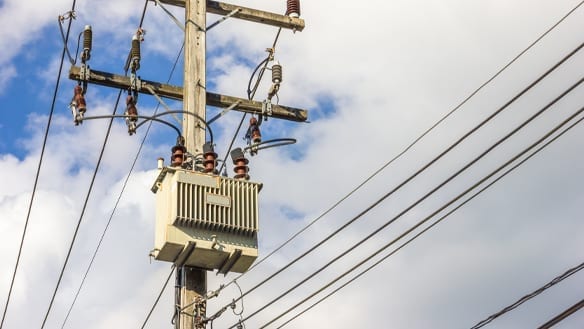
{"x":374,"y":77}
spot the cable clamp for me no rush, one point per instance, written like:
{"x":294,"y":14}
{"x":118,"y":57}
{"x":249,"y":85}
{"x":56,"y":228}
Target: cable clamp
{"x":68,"y":15}
{"x":84,"y":72}
{"x":267,"y":108}
{"x":135,"y":82}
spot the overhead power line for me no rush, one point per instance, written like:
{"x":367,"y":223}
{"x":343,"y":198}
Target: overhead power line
{"x":395,"y":218}
{"x":118,"y":201}
{"x":428,"y":227}
{"x":412,"y":144}
{"x":573,"y":309}
{"x":460,"y":140}
{"x":36,"y":179}
{"x":529,"y":296}
{"x":88,"y":195}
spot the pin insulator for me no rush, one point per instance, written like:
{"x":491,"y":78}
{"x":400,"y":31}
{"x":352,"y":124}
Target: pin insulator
{"x":277,"y":73}
{"x":87,"y":43}
{"x":210,"y":158}
{"x":135,"y":53}
{"x":293,"y":8}
{"x":178,"y":153}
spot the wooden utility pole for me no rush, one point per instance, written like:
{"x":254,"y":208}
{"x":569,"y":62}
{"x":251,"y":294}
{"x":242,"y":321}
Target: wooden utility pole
{"x":193,"y":281}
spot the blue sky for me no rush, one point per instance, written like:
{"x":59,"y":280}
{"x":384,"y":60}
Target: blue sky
{"x":373,"y":81}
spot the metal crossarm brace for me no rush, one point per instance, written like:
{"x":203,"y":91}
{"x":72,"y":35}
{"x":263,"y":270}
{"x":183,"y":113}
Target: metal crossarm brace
{"x":248,"y":14}
{"x":175,"y":92}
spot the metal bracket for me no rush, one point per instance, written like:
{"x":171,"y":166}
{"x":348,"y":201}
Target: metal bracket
{"x":233,"y":12}
{"x":84,"y":72}
{"x":267,"y":108}
{"x":231,"y":107}
{"x":135,"y":82}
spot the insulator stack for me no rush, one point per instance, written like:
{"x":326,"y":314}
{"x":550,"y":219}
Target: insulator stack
{"x":178,"y":154}
{"x":79,"y":99}
{"x":210,"y":158}
{"x":78,"y":105}
{"x":131,"y":114}
{"x":254,"y":131}
{"x":135,"y":53}
{"x":277,"y":73}
{"x":293,"y":8}
{"x":87,"y":43}
{"x":240,"y":162}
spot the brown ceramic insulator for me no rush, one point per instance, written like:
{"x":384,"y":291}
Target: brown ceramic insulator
{"x":79,"y":99}
{"x":210,"y":161}
{"x":256,"y":135}
{"x":131,"y":107}
{"x":293,"y":8}
{"x":241,"y":169}
{"x":178,"y":152}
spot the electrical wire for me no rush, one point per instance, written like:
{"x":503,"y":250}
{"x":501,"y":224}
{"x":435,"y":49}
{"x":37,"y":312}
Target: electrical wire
{"x":168,"y":279}
{"x":142,"y":143}
{"x":88,"y":192}
{"x":36,"y":179}
{"x":250,"y":95}
{"x":573,"y":309}
{"x":529,"y":296}
{"x":412,"y":144}
{"x":146,"y":119}
{"x":432,"y":225}
{"x":158,"y":298}
{"x":420,"y":200}
{"x":101,"y":153}
{"x":490,"y":117}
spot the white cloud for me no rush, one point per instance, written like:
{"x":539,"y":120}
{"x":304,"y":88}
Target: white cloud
{"x":6,"y":75}
{"x":390,"y":73}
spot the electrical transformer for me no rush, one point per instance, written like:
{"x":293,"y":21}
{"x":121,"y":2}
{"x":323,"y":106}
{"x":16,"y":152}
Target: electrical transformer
{"x":217,"y":215}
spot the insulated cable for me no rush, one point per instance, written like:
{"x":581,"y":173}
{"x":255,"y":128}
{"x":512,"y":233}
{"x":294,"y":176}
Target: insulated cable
{"x":89,"y":190}
{"x":250,"y":96}
{"x":490,"y":117}
{"x":412,"y":144}
{"x":36,"y":179}
{"x":529,"y":296}
{"x":173,"y":268}
{"x":146,"y":119}
{"x":158,"y":298}
{"x":575,"y":308}
{"x":420,"y":200}
{"x":435,"y":223}
{"x":101,"y":153}
{"x":142,"y":143}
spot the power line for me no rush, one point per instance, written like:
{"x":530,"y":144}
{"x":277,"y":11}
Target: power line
{"x":469,"y":164}
{"x":88,"y":192}
{"x":250,"y":95}
{"x":82,"y":211}
{"x":529,"y":296}
{"x":36,"y":179}
{"x":412,"y":144}
{"x":172,"y":270}
{"x":573,"y":309}
{"x":362,"y":213}
{"x":158,"y":298}
{"x":432,"y":225}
